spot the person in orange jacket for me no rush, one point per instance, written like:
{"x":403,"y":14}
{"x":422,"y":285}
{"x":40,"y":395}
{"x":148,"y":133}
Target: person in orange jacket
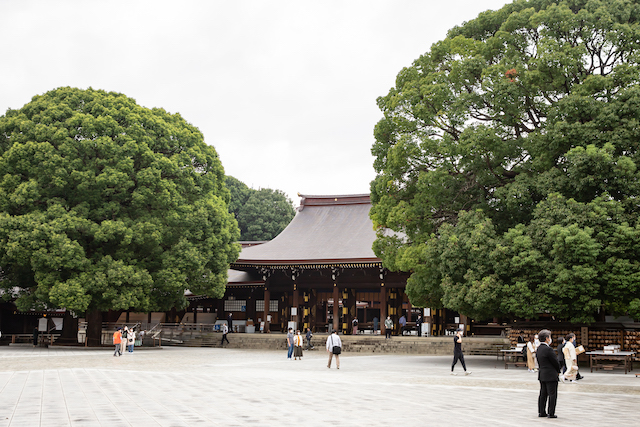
{"x":117,"y":339}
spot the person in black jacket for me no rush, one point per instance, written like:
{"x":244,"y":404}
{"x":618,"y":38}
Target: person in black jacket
{"x":547,"y":375}
{"x":561,"y":355}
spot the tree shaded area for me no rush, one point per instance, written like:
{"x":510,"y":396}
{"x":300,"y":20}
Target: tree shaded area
{"x":507,"y":163}
{"x":106,"y":205}
{"x":262,"y":214}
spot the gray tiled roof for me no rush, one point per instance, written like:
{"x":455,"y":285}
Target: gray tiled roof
{"x":326,"y":229}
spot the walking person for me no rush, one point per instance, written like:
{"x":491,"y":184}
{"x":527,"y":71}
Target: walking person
{"x":354,"y":325}
{"x":457,"y":352}
{"x":131,"y":339}
{"x":403,"y":324}
{"x":531,"y":354}
{"x":309,"y":336}
{"x":388,"y":326}
{"x":289,"y":343}
{"x":570,"y":359}
{"x":334,"y":348}
{"x":375,"y":325}
{"x":547,"y":376}
{"x":117,"y":340}
{"x":225,"y":331}
{"x":297,"y":346}
{"x":419,"y":325}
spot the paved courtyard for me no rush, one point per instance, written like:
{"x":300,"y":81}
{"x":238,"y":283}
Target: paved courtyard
{"x":211,"y":387}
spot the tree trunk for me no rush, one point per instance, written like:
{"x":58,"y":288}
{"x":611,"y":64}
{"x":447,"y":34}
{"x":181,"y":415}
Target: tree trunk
{"x":69,"y":329}
{"x":94,"y":328}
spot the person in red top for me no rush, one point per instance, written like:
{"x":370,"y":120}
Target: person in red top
{"x":117,"y":339}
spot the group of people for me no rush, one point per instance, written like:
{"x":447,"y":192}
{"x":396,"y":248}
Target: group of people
{"x":295,"y":343}
{"x":388,"y":325}
{"x":124,"y":338}
{"x":554,"y":368}
{"x":566,"y":354}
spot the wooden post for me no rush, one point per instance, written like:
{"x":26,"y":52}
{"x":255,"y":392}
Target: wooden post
{"x":267,"y":298}
{"x":383,"y":308}
{"x":296,"y":303}
{"x":336,"y":307}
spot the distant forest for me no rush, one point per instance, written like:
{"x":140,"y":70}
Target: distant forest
{"x":261,"y":214}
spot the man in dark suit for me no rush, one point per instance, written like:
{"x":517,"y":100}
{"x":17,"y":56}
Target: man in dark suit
{"x":547,"y":375}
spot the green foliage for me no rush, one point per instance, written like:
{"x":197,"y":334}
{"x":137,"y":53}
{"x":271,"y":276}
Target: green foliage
{"x":507,"y":159}
{"x":261,"y":214}
{"x":108,"y":205}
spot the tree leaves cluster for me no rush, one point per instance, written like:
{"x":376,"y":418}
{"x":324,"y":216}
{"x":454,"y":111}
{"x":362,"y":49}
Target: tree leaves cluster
{"x":507,"y":164}
{"x":107,"y":205}
{"x":262,"y":214}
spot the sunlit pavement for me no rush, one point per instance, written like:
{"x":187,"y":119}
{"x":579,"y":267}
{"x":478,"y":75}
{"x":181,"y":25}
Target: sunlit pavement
{"x":209,"y":387}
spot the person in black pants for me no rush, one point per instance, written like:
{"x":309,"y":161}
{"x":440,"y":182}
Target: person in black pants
{"x":547,"y":375}
{"x":225,"y":331}
{"x":457,"y":352}
{"x":563,"y":367}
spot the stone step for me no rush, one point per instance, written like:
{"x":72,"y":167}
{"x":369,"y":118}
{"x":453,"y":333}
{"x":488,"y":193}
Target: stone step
{"x":359,"y":344}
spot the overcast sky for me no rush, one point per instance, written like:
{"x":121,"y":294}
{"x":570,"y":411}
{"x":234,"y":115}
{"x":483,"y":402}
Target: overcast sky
{"x":284,"y":90}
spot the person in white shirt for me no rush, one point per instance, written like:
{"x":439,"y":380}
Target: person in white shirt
{"x":334,"y":347}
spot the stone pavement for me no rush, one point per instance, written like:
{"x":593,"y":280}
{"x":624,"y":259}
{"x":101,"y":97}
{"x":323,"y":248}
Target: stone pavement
{"x":227,"y":387}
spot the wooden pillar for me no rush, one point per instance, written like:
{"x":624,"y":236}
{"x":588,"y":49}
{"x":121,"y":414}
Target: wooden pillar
{"x":336,"y":307}
{"x":267,"y":298}
{"x":350,"y":304}
{"x":409,"y":308}
{"x":313,"y":309}
{"x":296,"y":304}
{"x":383,"y":308}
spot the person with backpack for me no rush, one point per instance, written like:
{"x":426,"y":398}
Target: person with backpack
{"x":123,"y":343}
{"x":334,"y":348}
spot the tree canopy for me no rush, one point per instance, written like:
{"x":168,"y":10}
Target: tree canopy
{"x":262,"y":214}
{"x":507,"y":164}
{"x":105,"y":205}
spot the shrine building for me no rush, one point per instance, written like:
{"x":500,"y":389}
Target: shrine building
{"x":320,"y":272}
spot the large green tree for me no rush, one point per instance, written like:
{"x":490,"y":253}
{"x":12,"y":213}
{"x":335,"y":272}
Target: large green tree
{"x":507,"y":164}
{"x":105,"y":205}
{"x":262,"y":214}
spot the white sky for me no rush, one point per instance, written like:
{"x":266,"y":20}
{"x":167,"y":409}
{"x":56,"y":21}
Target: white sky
{"x":284,"y":90}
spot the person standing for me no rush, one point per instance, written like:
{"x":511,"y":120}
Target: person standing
{"x":375,"y":325}
{"x":457,"y":352}
{"x":289,"y":343}
{"x":570,"y":359}
{"x":531,"y":354}
{"x":403,"y":324}
{"x":547,"y":376}
{"x":117,"y":340}
{"x":297,"y":346}
{"x":354,"y":325}
{"x":309,"y":336}
{"x":563,"y":368}
{"x":225,"y":331}
{"x":131,"y":339}
{"x":388,"y":326}
{"x":334,"y":348}
{"x":35,"y":336}
{"x":230,"y":322}
{"x":123,"y":344}
{"x":419,"y":325}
